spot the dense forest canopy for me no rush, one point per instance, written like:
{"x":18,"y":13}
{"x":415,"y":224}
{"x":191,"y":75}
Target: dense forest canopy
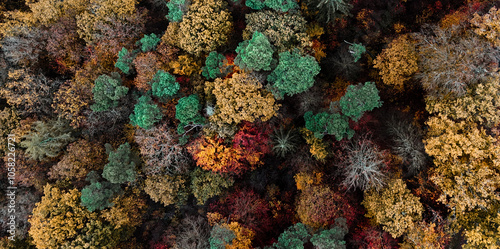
{"x":222,"y":124}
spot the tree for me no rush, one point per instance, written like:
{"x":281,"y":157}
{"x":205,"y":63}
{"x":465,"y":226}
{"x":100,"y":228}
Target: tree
{"x":293,"y":237}
{"x":356,"y":50}
{"x":488,"y":25}
{"x":24,"y":46}
{"x":161,"y":152}
{"x":187,"y":111}
{"x":294,"y":73}
{"x":107,"y":92}
{"x":81,"y":157}
{"x":59,"y":221}
{"x":167,"y":189}
{"x":127,"y":210}
{"x":465,"y":157}
{"x":284,"y":142}
{"x":395,"y":207}
{"x":450,"y":62}
{"x":318,"y":206}
{"x":48,"y":139}
{"x":148,"y":42}
{"x":125,"y":59}
{"x":193,"y":232}
{"x":96,"y":196}
{"x":358,"y":99}
{"x":146,"y":113}
{"x":146,"y":65}
{"x":241,"y":98}
{"x":29,"y":94}
{"x":255,"y":54}
{"x":332,"y":238}
{"x":207,"y":184}
{"x":398,"y":62}
{"x":363,"y":166}
{"x":205,"y":26}
{"x":230,"y":236}
{"x":120,"y":168}
{"x":176,"y":9}
{"x":328,"y":123}
{"x":318,"y":148}
{"x":480,"y":104}
{"x":281,"y":5}
{"x":329,"y":10}
{"x":226,"y":160}
{"x":9,"y":120}
{"x":72,"y":99}
{"x":163,"y":85}
{"x":408,"y":145}
{"x":214,"y":65}
{"x":285,"y":31}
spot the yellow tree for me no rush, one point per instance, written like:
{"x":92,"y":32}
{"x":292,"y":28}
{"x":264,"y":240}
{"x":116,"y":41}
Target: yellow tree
{"x":59,"y":221}
{"x":242,"y":98}
{"x":205,"y":27}
{"x":488,"y":25}
{"x":398,"y":62}
{"x":394,"y":207}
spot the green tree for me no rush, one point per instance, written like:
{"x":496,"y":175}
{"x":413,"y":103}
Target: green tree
{"x":255,"y":54}
{"x":356,"y":50}
{"x":294,"y":73}
{"x":293,"y":238}
{"x":163,"y":85}
{"x":48,"y":139}
{"x":281,"y":5}
{"x":206,"y":26}
{"x":187,"y":111}
{"x":328,"y":123}
{"x":97,"y":195}
{"x":213,"y":65}
{"x":359,"y":99}
{"x":255,"y":4}
{"x":120,"y":167}
{"x":107,"y":91}
{"x":176,"y":9}
{"x":220,"y":236}
{"x":148,"y":42}
{"x":125,"y":59}
{"x":146,"y":113}
{"x":331,"y":238}
{"x":206,"y":184}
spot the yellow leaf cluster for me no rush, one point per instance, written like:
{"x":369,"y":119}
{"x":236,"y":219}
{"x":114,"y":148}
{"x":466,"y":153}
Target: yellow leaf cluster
{"x":394,"y":207}
{"x":398,"y":62}
{"x":304,"y":180}
{"x":244,"y":236}
{"x":48,"y":11}
{"x":205,"y":26}
{"x":426,"y":235}
{"x":488,"y":25}
{"x":318,"y":148}
{"x":70,"y":100}
{"x":58,"y":218}
{"x":480,"y":104}
{"x":166,"y":189}
{"x":242,"y":98}
{"x":127,"y":210}
{"x":185,"y":65}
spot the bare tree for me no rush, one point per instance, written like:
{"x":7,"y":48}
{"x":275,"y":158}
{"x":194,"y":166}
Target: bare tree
{"x":363,"y":165}
{"x":161,"y":151}
{"x":193,"y":233}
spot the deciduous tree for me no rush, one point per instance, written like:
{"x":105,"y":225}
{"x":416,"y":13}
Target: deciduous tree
{"x":108,"y":90}
{"x":205,"y":27}
{"x":146,"y":113}
{"x":163,"y":85}
{"x":359,"y":99}
{"x":207,"y":184}
{"x":294,"y":74}
{"x":167,"y":189}
{"x":241,"y":98}
{"x":398,"y":62}
{"x":120,"y":168}
{"x":395,"y":207}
